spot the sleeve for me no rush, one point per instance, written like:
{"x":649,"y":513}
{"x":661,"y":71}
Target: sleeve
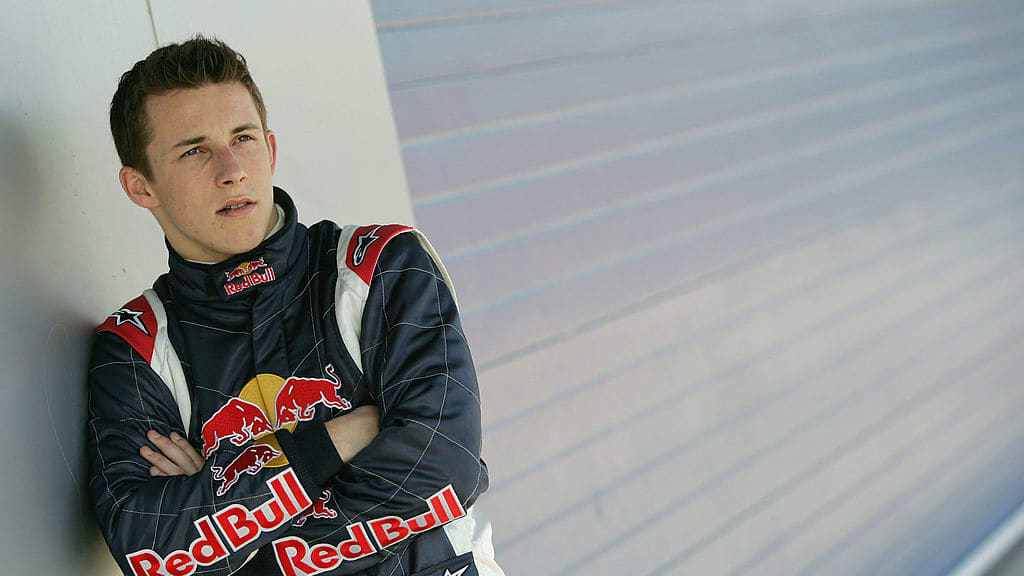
{"x":423,"y":469}
{"x":417,"y":365}
{"x":174,"y":525}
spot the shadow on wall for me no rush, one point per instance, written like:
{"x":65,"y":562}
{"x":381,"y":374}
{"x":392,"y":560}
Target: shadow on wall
{"x":22,"y":186}
{"x":48,"y":527}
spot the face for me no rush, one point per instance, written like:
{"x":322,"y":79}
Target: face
{"x":212,"y":163}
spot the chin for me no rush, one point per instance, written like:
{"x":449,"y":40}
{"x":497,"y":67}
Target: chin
{"x":244,"y":238}
{"x":246,"y":247}
{"x":235,"y":246}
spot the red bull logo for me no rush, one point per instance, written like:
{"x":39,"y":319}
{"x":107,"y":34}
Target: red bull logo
{"x":250,"y":280}
{"x":320,"y":509}
{"x":249,"y":462}
{"x":298,"y":398}
{"x":246,"y":268}
{"x":237,"y":421}
{"x":295,"y":557}
{"x":237,"y":526}
{"x":252,"y":417}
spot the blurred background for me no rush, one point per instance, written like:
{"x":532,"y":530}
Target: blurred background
{"x":743,"y":279}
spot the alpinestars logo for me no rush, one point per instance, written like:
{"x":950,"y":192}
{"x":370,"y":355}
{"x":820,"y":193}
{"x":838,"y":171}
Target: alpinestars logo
{"x":459,"y":573}
{"x":362,"y":244}
{"x":129,"y":316}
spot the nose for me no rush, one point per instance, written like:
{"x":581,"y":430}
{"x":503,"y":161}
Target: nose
{"x":229,"y":168}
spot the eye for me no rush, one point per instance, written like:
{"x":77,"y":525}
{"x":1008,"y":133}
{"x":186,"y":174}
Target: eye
{"x":246,"y":137}
{"x":191,"y":152}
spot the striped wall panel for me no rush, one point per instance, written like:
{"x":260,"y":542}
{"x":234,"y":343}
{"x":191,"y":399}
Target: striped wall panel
{"x":743,"y":280}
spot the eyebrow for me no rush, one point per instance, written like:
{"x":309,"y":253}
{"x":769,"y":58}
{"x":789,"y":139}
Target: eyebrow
{"x":198,"y":139}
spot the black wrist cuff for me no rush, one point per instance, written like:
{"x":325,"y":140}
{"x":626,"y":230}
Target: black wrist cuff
{"x":312,"y":455}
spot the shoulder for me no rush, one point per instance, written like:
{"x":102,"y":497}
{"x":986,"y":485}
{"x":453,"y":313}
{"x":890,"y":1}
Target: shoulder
{"x":137,"y":323}
{"x":142,"y":325}
{"x":362,"y":247}
{"x":359,"y":249}
{"x":375,"y":250}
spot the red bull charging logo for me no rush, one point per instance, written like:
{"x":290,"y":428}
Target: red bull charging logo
{"x":298,"y":397}
{"x":320,"y":509}
{"x":237,"y":421}
{"x":246,"y":268}
{"x":251,"y":417}
{"x":249,"y":462}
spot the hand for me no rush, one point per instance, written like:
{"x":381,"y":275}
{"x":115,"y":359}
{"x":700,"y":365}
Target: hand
{"x":354,"y":430}
{"x":176,"y":456}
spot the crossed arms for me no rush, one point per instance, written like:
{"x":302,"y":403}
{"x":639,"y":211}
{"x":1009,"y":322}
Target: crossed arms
{"x":425,"y":394}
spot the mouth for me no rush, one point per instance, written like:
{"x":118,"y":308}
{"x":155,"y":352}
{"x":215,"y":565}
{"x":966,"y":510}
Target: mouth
{"x":236,"y":207}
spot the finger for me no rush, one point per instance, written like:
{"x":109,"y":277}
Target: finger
{"x":172,"y":452}
{"x":154,"y":471}
{"x":159,"y":462}
{"x":189,"y":450}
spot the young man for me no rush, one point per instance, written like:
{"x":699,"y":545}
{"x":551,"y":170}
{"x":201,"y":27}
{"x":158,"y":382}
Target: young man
{"x":286,"y":400}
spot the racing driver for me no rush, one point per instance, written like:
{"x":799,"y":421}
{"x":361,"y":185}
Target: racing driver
{"x":286,"y":399}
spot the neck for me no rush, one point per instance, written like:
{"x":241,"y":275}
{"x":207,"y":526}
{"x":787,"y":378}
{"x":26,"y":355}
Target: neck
{"x":277,"y":219}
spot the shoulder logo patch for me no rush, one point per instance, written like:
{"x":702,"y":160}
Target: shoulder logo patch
{"x":128,"y":316}
{"x":362,"y":243}
{"x":365,"y":246}
{"x":136,"y":323}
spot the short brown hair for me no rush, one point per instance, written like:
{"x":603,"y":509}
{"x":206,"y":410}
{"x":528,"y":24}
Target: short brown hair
{"x":192,"y":64}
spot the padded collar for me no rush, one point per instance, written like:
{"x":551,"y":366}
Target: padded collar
{"x":258,"y":270}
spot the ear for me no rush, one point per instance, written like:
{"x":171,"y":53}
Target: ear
{"x":136,"y":187}
{"x":272,"y":147}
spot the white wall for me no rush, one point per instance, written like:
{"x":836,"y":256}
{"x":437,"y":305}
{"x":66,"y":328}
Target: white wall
{"x":73,"y":248}
{"x":742,"y":278}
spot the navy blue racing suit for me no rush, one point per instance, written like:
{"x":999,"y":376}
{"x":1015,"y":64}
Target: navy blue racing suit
{"x":248,"y":358}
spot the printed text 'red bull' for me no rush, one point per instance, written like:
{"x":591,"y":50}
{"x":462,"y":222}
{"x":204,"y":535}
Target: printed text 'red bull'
{"x":296,"y":557}
{"x":238,"y":527}
{"x":254,"y":279}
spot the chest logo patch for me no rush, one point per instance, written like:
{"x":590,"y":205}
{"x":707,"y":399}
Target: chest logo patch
{"x":266,"y":403}
{"x":298,"y":398}
{"x":249,"y":462}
